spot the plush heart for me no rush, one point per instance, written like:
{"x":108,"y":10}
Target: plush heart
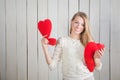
{"x":52,"y":41}
{"x":89,"y":51}
{"x":100,"y":46}
{"x":45,"y":29}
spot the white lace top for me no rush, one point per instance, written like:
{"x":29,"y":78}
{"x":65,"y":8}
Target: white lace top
{"x":71,"y":52}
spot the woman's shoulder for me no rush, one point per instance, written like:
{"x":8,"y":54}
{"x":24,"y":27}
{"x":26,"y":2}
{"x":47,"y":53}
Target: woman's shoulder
{"x":63,"y":39}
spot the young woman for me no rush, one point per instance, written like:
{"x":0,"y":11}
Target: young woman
{"x":70,"y":50}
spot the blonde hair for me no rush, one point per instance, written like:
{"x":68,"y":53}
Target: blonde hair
{"x":85,"y":36}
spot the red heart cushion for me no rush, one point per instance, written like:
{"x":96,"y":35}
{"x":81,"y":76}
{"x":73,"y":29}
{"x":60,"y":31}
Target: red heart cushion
{"x":89,"y":51}
{"x":52,"y":41}
{"x":100,"y":46}
{"x":45,"y":27}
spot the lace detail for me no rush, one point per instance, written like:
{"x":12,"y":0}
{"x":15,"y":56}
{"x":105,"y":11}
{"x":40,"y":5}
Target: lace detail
{"x":71,"y":52}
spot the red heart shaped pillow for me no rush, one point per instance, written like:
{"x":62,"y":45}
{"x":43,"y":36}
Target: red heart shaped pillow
{"x":45,"y":29}
{"x":89,"y":51}
{"x":52,"y":41}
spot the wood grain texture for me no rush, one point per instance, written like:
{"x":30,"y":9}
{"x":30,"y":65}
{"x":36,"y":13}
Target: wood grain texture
{"x":21,"y":40}
{"x":2,"y":41}
{"x":11,"y":50}
{"x":21,"y":54}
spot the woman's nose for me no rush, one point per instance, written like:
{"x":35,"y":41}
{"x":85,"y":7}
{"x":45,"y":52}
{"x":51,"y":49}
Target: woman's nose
{"x":78,"y":25}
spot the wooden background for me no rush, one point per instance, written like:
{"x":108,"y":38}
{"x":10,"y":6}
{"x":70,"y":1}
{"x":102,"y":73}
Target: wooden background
{"x":21,"y":55}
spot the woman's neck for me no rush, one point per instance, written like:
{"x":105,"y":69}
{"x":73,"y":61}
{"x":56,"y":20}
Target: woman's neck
{"x":74,"y":36}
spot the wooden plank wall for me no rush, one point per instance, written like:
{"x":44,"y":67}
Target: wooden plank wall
{"x":114,"y":40}
{"x":21,"y":54}
{"x":2,"y":41}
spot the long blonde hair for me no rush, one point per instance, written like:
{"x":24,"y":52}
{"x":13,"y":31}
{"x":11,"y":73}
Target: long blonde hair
{"x":85,"y":36}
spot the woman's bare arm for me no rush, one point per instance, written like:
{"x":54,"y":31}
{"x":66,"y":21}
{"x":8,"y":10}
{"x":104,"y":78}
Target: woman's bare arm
{"x":48,"y":58}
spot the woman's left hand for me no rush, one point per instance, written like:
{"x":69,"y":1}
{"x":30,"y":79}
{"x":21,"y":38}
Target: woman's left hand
{"x":99,"y":54}
{"x":97,"y":58}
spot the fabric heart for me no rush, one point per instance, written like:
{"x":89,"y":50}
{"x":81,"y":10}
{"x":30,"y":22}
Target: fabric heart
{"x":100,"y":46}
{"x":45,"y":29}
{"x":89,"y":51}
{"x":52,"y":41}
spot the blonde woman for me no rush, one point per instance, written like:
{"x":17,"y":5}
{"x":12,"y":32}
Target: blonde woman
{"x":70,"y":50}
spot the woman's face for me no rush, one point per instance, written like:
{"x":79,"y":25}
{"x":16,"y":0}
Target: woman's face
{"x":77,"y":25}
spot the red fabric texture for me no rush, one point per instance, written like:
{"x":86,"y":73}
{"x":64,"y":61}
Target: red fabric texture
{"x":89,"y":51}
{"x":45,"y":28}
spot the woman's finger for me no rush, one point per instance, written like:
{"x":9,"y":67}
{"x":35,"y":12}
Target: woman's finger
{"x":103,"y":50}
{"x":44,"y":40}
{"x":100,"y":52}
{"x":97,"y":54}
{"x":44,"y":36}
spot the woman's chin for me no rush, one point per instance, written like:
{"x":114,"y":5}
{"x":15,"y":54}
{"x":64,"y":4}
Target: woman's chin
{"x":77,"y":33}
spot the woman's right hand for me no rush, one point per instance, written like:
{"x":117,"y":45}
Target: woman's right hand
{"x":44,"y":41}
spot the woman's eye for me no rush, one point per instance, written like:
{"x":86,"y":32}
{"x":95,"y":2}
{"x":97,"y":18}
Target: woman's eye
{"x":76,"y":22}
